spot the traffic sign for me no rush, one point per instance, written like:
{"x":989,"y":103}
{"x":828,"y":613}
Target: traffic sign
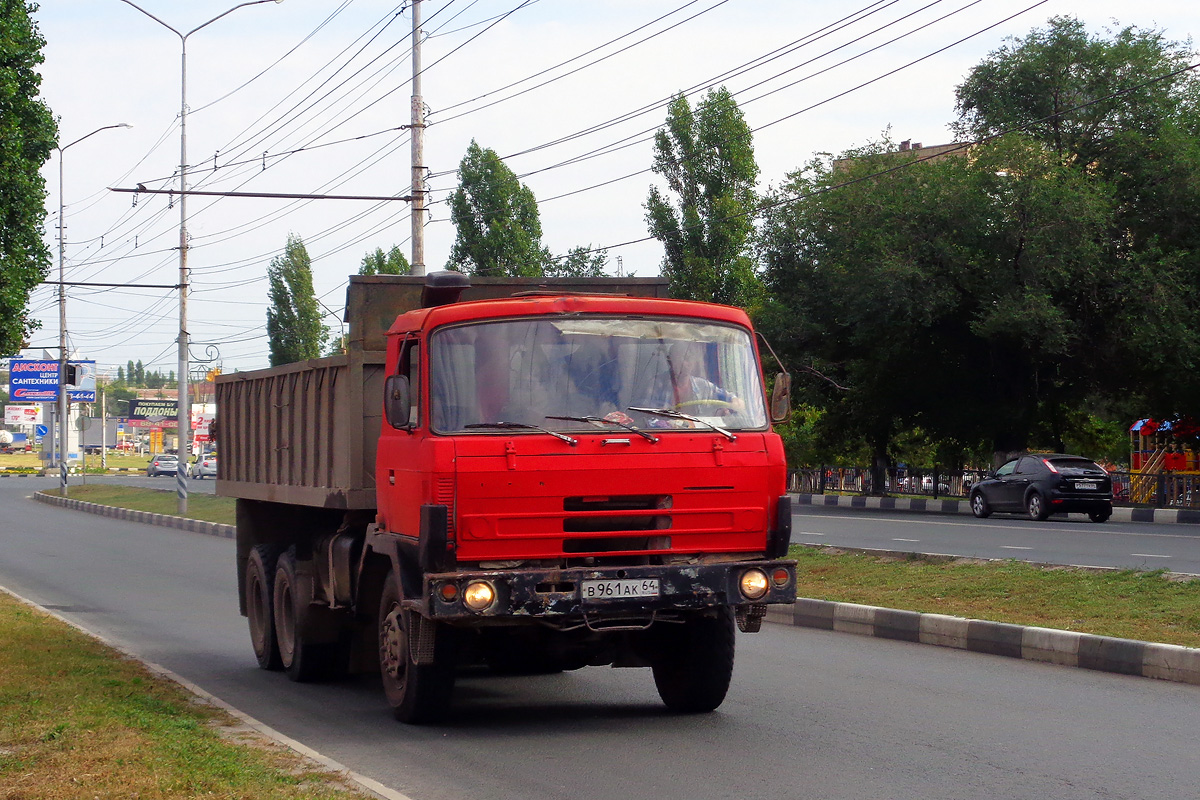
{"x":41,"y":430}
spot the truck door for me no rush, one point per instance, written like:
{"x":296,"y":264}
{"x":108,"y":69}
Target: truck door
{"x":398,"y":465}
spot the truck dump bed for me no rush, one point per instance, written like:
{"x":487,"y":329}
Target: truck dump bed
{"x":306,"y":433}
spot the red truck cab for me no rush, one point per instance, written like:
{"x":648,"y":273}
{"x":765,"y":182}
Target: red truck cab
{"x":548,"y":459}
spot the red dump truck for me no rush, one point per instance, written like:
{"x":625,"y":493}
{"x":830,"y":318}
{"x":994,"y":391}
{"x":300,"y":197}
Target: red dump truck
{"x":510,"y":472}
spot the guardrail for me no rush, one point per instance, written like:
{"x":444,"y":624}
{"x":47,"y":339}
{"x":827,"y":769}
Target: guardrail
{"x":1149,"y":490}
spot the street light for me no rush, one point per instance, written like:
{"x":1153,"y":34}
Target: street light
{"x":183,"y":417}
{"x":62,"y":314}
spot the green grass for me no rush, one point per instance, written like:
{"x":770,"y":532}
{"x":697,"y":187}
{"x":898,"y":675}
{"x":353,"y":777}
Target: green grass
{"x":31,"y":461}
{"x":1127,"y":604}
{"x":205,"y":507}
{"x":77,"y":720}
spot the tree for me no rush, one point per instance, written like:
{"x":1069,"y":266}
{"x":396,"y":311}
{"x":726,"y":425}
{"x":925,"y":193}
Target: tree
{"x":966,"y":297}
{"x":140,"y":372}
{"x":1122,"y":110}
{"x":579,"y":262}
{"x":499,"y":230}
{"x":28,"y":134}
{"x":707,"y":161}
{"x":294,"y":329}
{"x":121,"y":375}
{"x":377,"y":263}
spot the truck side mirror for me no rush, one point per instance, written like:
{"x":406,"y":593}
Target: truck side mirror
{"x":781,"y":398}
{"x":396,"y":407}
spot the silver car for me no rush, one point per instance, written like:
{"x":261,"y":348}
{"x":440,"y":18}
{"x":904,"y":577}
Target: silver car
{"x":205,"y":467}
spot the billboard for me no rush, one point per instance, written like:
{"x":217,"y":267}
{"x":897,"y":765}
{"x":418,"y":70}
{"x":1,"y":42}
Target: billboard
{"x":83,"y":390}
{"x":36,"y":381}
{"x":156,"y":411}
{"x":33,"y":381}
{"x":23,"y":415}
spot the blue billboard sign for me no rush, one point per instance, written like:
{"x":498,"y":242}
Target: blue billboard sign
{"x":33,"y":381}
{"x":36,"y":381}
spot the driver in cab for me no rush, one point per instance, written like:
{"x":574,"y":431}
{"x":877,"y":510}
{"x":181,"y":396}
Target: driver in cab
{"x":694,"y":392}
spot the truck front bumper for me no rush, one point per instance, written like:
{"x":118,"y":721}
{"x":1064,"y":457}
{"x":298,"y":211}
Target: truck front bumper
{"x":611,"y":592}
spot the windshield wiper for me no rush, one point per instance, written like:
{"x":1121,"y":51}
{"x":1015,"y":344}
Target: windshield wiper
{"x":522,"y":426}
{"x":671,"y":414}
{"x":648,"y":437}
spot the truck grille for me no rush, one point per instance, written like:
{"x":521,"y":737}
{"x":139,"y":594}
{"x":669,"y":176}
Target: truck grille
{"x":595,"y":515}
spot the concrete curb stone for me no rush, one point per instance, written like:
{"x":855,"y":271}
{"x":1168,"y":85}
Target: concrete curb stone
{"x":164,"y":520}
{"x":1067,"y":648}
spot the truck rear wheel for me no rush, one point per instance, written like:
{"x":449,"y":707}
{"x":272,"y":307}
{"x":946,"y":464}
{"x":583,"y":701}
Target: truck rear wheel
{"x":260,"y":589}
{"x":417,"y":693}
{"x":303,"y":661}
{"x":693,"y":669}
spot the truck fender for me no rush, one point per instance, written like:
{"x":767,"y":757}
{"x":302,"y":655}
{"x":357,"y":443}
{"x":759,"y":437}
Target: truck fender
{"x":386,"y":551}
{"x":780,"y":536}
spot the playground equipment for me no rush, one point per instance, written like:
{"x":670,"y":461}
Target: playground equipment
{"x":1163,"y":457}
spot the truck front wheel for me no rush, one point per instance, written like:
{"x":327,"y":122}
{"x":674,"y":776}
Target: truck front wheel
{"x":417,"y":693}
{"x":694,"y":664}
{"x":260,"y":588}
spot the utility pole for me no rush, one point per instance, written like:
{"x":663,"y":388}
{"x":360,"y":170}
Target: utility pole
{"x":417,"y":137}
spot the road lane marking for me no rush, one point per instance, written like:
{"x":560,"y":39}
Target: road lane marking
{"x":1013,"y":547}
{"x":1149,"y":555}
{"x":906,"y":540}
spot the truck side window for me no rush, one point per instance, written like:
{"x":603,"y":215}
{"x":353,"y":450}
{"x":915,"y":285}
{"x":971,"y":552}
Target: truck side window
{"x":410,"y":365}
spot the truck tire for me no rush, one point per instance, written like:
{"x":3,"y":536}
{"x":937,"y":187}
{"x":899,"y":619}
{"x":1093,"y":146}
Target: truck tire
{"x":695,"y":664}
{"x":260,"y":591}
{"x":303,"y":661}
{"x":417,"y":693}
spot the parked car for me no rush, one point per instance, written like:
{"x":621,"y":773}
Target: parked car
{"x":1043,"y":484}
{"x":205,"y":467}
{"x":162,"y":464}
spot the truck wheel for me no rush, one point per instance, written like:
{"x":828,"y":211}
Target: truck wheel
{"x":694,"y":667}
{"x":303,"y":661}
{"x":260,"y":589}
{"x":417,"y":693}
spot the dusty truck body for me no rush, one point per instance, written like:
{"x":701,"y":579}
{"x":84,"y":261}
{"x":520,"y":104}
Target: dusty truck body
{"x":525,"y":481}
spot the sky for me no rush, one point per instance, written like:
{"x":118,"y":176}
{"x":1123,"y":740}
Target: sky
{"x":310,"y":96}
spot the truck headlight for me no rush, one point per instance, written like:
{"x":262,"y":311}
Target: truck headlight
{"x":754,"y":584}
{"x":479,"y":595}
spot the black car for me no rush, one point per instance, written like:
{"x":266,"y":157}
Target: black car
{"x":1043,"y":484}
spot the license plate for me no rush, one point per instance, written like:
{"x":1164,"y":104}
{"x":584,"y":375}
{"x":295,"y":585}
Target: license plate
{"x":1087,"y":485}
{"x":616,"y":589}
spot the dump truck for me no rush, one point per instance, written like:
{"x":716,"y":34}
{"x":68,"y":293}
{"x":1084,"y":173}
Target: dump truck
{"x":510,"y":473}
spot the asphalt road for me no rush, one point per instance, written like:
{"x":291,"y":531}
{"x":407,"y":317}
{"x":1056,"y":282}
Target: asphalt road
{"x":812,"y":714}
{"x":1073,"y":540}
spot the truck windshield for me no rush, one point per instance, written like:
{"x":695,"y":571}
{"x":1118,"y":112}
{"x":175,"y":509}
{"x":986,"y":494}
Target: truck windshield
{"x":606,"y":372}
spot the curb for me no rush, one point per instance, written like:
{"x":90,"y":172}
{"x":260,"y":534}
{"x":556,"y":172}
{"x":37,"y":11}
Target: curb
{"x":163,"y":520}
{"x":860,"y":502}
{"x":1084,"y":650}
